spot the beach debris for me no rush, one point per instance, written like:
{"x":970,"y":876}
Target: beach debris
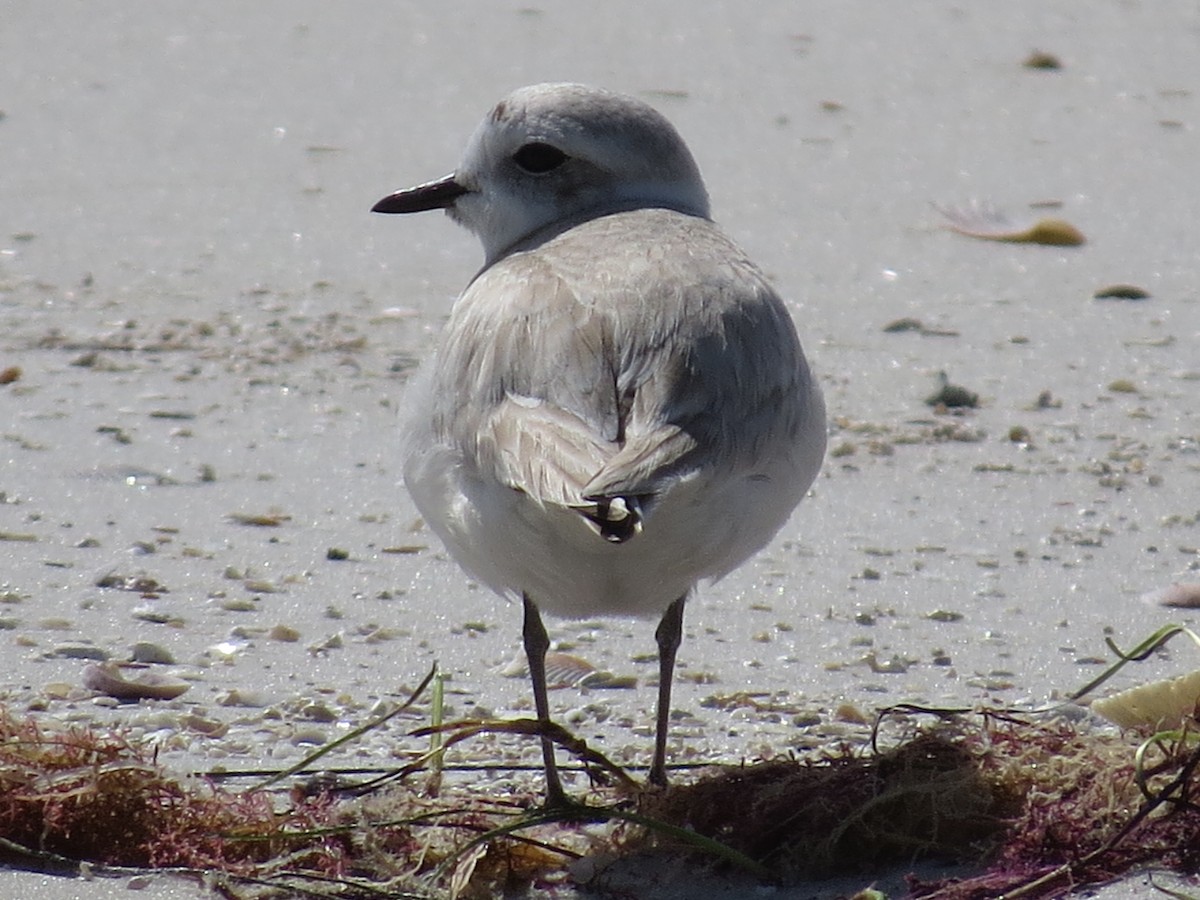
{"x":405,"y":549}
{"x":1121,"y":292}
{"x":1019,"y":434}
{"x":180,"y":415}
{"x":813,"y":820}
{"x":260,"y":520}
{"x":212,"y":728}
{"x":80,"y":650}
{"x":1156,"y":706}
{"x":146,"y":652}
{"x":1040,"y":59}
{"x":1181,"y":595}
{"x":944,"y":615}
{"x":951,"y":396}
{"x":985,"y":221}
{"x":850,"y":713}
{"x":333,"y":641}
{"x":236,"y":604}
{"x":284,"y":633}
{"x":148,"y":612}
{"x":241,"y":697}
{"x":224,"y":652}
{"x":907,"y":323}
{"x":137,"y":584}
{"x":1045,"y":400}
{"x":107,"y":678}
{"x":565,"y":670}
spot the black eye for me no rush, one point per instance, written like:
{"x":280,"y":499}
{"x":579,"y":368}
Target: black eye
{"x":538,"y":158}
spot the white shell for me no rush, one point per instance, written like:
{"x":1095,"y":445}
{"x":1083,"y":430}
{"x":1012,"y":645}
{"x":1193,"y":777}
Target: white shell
{"x":1155,"y":706}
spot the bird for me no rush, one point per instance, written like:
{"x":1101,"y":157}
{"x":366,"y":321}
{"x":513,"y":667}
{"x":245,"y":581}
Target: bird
{"x":619,"y":406}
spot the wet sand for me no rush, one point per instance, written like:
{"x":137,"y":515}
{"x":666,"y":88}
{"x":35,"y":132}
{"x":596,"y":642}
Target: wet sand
{"x":213,"y":336}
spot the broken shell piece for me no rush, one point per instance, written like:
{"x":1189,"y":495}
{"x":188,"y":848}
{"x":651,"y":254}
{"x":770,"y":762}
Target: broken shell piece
{"x":332,"y":642}
{"x":57,"y":690}
{"x":245,"y":697}
{"x":106,"y":678}
{"x":1155,"y":706}
{"x":986,"y":222}
{"x":213,"y":728}
{"x":564,"y":670}
{"x":226,"y":652}
{"x":1182,"y":595}
{"x":1121,"y":292}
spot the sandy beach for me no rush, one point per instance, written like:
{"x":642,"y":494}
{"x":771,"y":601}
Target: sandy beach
{"x":209,"y":335}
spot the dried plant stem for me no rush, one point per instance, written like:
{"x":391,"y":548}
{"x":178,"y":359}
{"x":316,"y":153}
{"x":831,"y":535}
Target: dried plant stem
{"x":1137,"y":654}
{"x":352,"y":735}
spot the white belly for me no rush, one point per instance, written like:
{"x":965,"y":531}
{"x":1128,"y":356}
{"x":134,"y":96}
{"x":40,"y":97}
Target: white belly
{"x":702,"y":529}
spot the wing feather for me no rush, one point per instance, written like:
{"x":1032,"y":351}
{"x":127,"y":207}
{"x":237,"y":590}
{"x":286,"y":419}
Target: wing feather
{"x":599,"y":390}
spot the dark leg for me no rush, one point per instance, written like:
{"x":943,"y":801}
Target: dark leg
{"x":537,"y":642}
{"x":669,"y":636}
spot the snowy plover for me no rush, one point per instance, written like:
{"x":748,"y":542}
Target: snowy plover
{"x":619,"y":406}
